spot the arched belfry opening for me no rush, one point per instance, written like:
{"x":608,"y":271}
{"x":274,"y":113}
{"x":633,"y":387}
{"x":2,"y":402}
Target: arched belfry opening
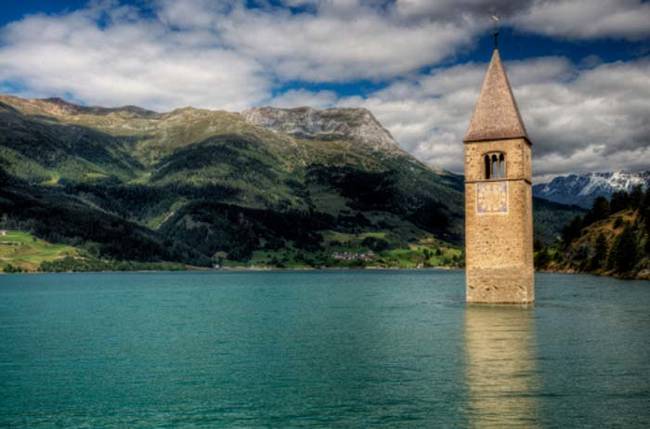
{"x":494,"y":165}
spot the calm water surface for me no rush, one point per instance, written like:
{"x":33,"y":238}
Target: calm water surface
{"x":319,"y":349}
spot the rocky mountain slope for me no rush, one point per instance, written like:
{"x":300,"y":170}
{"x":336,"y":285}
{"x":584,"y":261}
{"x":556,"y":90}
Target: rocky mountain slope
{"x":331,"y":124}
{"x":583,"y":189}
{"x":280,"y":187}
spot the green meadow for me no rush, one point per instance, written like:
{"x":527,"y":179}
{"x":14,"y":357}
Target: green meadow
{"x":24,"y":252}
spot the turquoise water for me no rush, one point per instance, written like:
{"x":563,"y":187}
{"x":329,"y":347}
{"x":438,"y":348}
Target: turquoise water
{"x":319,"y":349}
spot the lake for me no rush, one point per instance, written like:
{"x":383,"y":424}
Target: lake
{"x":343,"y":349}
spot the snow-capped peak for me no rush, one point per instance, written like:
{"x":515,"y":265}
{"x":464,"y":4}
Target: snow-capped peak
{"x":582,"y":189}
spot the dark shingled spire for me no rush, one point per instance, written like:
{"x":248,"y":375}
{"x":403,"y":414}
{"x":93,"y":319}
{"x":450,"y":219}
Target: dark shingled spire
{"x":496,"y":116}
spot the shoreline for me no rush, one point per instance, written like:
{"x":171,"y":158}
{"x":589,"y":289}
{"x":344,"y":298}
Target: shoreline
{"x":232,"y":270}
{"x":246,"y":270}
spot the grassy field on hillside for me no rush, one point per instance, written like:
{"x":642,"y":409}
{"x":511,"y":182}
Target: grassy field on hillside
{"x":22,"y":252}
{"x":26,"y":252}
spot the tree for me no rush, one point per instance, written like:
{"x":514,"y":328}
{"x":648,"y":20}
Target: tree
{"x":599,"y":210}
{"x":647,"y":232}
{"x":542,"y":258}
{"x":376,"y":244}
{"x":644,"y":211}
{"x":571,"y":230}
{"x":636,"y":196}
{"x":620,"y":201}
{"x":624,"y":255}
{"x":646,"y":200}
{"x":599,"y":259}
{"x":12,"y":269}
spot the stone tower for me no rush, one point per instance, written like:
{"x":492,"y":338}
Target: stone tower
{"x":498,"y":197}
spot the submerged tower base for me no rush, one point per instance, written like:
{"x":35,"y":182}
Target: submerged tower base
{"x":500,"y":287}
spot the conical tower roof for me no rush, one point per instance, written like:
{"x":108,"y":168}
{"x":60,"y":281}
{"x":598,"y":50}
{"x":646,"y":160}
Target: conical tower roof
{"x":496,"y":115}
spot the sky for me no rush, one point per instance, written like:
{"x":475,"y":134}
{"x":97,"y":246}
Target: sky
{"x":580,"y":69}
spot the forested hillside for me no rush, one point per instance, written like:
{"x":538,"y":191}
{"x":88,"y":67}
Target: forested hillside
{"x":268,"y":187}
{"x":612,"y":238}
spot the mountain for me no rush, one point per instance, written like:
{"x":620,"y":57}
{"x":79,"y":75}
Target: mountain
{"x":272,"y":187}
{"x":582,"y":189}
{"x":331,"y":124}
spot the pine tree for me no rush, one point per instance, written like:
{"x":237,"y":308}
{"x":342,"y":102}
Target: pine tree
{"x":620,"y":201}
{"x":599,"y":210}
{"x":599,"y":259}
{"x":645,"y":215}
{"x":647,"y":234}
{"x":624,"y":255}
{"x":542,"y":258}
{"x":572,"y":230}
{"x":636,"y":196}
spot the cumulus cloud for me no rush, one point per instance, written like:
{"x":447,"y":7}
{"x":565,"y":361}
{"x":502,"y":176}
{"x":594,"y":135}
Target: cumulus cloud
{"x":449,"y":8}
{"x":587,"y":19}
{"x":216,"y":54}
{"x":573,"y":19}
{"x":302,"y":97}
{"x":342,"y":40}
{"x":333,"y":50}
{"x":108,"y":56}
{"x":578,"y":119}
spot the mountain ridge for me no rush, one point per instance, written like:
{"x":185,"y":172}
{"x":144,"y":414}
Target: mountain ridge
{"x":583,"y":189}
{"x":331,"y":123}
{"x":271,"y":187}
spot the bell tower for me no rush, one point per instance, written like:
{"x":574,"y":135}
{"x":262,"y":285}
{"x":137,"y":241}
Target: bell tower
{"x":498,"y":197}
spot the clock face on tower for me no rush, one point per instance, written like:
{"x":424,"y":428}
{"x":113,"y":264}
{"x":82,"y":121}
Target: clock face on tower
{"x":492,"y":197}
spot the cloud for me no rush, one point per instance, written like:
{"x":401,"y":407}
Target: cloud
{"x":302,"y":97}
{"x":587,"y":19}
{"x":572,"y":19}
{"x":578,"y":119}
{"x":342,"y":40}
{"x":216,"y":54}
{"x":112,"y":56}
{"x":446,"y":9}
{"x":224,"y":54}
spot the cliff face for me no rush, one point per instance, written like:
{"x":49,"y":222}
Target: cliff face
{"x":330,"y":124}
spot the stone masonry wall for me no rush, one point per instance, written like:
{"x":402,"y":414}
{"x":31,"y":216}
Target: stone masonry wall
{"x":499,"y":248}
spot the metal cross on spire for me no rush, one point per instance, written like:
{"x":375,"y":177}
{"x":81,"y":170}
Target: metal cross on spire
{"x":495,"y":19}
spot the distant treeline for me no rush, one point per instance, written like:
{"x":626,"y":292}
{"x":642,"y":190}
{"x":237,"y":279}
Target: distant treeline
{"x":73,"y":264}
{"x":69,"y":264}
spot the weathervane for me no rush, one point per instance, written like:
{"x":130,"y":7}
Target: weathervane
{"x":495,"y":19}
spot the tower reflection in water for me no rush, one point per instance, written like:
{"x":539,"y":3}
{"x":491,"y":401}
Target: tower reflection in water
{"x":501,"y":371}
